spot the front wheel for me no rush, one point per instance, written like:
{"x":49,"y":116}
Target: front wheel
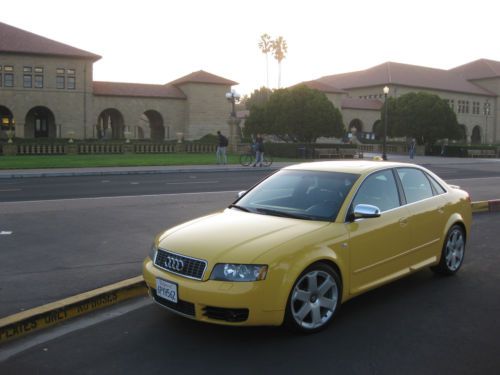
{"x":314,"y":299}
{"x":268,"y":160}
{"x":452,"y":255}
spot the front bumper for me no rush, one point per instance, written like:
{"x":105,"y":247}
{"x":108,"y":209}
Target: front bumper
{"x":220,"y":302}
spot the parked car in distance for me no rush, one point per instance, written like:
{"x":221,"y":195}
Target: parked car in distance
{"x":294,"y":247}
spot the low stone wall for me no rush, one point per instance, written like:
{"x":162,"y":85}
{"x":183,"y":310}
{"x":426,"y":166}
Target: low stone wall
{"x":12,"y":149}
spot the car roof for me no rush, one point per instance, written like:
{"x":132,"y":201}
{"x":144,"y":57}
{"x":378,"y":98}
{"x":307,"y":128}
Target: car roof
{"x":348,"y":166}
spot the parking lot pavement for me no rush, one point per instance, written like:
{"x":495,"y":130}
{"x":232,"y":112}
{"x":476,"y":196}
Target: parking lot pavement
{"x":422,"y":324}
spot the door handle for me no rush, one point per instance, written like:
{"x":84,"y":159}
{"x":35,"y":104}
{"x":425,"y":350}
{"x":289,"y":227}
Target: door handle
{"x":403,"y":221}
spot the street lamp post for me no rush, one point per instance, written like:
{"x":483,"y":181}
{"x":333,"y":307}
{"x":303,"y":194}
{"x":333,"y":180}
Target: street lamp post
{"x":232,"y":97}
{"x":384,"y":141}
{"x":11,"y":132}
{"x":486,"y":113}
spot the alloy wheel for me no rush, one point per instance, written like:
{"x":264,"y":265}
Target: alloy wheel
{"x":454,"y":252}
{"x":314,"y":299}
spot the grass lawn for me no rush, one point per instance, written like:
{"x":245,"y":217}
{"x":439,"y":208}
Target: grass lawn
{"x":120,"y":160}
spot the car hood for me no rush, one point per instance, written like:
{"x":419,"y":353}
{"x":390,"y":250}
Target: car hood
{"x":234,"y":236}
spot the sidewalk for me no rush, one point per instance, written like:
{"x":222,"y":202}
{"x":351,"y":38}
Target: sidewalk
{"x":58,"y":172}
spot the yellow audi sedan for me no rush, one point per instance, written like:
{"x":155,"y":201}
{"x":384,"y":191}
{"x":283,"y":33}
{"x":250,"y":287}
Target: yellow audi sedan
{"x":311,"y":236}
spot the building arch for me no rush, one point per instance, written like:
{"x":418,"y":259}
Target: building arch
{"x":357,"y":124}
{"x":475,"y":137}
{"x":40,"y":123}
{"x":151,"y":126}
{"x":6,"y":121}
{"x":110,"y":124}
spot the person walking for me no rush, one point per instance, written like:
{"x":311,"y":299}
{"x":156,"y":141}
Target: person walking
{"x":411,"y":148}
{"x":259,"y":151}
{"x":221,"y":148}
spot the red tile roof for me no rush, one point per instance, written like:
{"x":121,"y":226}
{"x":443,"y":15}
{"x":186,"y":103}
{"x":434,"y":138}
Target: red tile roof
{"x":137,"y":89}
{"x":203,"y":77}
{"x":14,"y":40}
{"x":354,"y":103}
{"x":323,"y":87}
{"x":478,"y":69}
{"x":391,"y":73}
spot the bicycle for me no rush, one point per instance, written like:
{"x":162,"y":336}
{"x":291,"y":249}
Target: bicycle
{"x":249,"y":157}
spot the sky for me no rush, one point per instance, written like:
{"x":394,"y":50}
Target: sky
{"x":158,"y":41}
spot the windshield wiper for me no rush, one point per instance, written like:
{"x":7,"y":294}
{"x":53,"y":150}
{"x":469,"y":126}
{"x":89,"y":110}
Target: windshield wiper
{"x":267,"y":211}
{"x":239,"y":207}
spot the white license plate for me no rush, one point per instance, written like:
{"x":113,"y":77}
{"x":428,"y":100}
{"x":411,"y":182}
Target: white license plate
{"x":166,"y":289}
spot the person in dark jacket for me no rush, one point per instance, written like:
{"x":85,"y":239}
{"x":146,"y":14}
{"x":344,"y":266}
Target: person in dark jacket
{"x":259,"y":150}
{"x":221,"y":149}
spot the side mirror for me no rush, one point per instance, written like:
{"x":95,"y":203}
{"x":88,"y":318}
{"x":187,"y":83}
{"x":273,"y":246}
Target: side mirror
{"x":241,"y":193}
{"x":366,"y":211}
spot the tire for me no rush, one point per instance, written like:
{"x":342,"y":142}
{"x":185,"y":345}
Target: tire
{"x":268,"y":160}
{"x":452,"y":255}
{"x":245,"y":160}
{"x":314,"y":299}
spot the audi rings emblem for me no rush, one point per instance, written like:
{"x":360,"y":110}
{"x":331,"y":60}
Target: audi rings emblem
{"x":174,"y":264}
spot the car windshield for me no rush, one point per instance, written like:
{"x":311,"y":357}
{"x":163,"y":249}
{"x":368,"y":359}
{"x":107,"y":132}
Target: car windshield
{"x":310,"y":195}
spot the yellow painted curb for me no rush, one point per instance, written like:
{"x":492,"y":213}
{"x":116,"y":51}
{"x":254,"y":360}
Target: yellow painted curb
{"x":486,"y":206}
{"x":29,"y":321}
{"x":481,"y":206}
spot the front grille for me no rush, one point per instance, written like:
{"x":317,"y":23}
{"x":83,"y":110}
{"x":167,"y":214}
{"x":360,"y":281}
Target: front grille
{"x":183,"y":307}
{"x":180,"y":264}
{"x":228,"y":315}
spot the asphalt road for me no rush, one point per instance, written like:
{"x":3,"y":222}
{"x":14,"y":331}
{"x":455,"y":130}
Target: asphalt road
{"x":423,"y":324}
{"x":50,"y":188}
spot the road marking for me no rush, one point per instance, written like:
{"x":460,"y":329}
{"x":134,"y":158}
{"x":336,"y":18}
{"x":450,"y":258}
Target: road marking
{"x":12,"y":348}
{"x":192,"y":182}
{"x":6,"y":233}
{"x":7,"y":190}
{"x":121,"y":197}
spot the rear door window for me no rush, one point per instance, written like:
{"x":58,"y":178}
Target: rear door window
{"x":416,"y":185}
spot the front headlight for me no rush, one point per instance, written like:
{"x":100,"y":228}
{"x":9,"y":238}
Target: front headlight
{"x":239,"y":272}
{"x":152,"y":251}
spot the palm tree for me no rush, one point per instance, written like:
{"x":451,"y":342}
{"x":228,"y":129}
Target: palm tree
{"x":266,"y":45}
{"x":280,"y":48}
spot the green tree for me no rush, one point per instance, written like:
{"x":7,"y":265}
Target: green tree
{"x":258,"y":97}
{"x":280,"y":48}
{"x":423,"y":116}
{"x":297,"y":114}
{"x":266,"y":46}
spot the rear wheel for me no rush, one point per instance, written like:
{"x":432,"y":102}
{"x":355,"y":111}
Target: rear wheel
{"x":453,"y":252}
{"x":314,"y":299}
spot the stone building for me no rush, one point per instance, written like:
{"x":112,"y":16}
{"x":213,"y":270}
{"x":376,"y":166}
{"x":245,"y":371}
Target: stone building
{"x":47,"y":91}
{"x":472,"y":91}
